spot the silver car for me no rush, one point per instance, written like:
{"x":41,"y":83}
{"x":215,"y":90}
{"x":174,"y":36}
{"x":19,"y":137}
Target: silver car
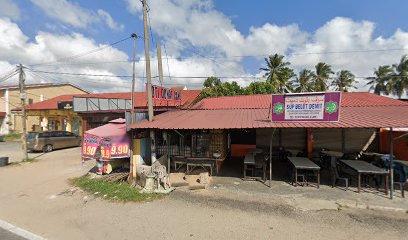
{"x":48,"y":141}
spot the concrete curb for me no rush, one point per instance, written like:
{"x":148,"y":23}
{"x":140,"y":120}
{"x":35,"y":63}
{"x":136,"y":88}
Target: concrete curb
{"x":19,"y":231}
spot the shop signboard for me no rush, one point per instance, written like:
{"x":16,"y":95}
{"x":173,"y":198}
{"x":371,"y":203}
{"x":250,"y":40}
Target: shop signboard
{"x":306,"y":107}
{"x":166,"y":94}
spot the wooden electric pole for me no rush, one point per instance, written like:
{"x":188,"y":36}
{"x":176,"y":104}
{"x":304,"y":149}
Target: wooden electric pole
{"x":147,"y":53}
{"x":132,"y":174}
{"x":23,"y":112}
{"x":159,"y":63}
{"x":132,"y":110}
{"x":149,"y":82}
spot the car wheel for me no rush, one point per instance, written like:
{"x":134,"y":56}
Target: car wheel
{"x":48,"y":148}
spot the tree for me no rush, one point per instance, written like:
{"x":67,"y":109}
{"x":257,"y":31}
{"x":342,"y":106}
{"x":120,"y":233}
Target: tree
{"x":304,"y":81}
{"x":212,"y":82}
{"x":379,"y":83}
{"x":277,"y":72}
{"x":399,"y":81}
{"x":223,"y":89}
{"x":344,"y":81}
{"x":260,"y":88}
{"x":322,"y":74}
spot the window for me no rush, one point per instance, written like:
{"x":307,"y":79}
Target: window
{"x":57,"y":134}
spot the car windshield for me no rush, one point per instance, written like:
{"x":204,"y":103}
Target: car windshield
{"x":31,"y":135}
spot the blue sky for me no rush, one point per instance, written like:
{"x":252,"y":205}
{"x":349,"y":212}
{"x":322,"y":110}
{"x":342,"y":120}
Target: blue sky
{"x":194,"y":31}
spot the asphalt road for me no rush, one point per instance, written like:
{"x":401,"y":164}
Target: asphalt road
{"x":6,"y":235}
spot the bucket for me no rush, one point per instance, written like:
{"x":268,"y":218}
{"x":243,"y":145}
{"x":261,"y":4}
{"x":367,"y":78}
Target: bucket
{"x":4,"y":161}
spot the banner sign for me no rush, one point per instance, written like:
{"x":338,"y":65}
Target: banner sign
{"x":90,"y":145}
{"x":105,"y":149}
{"x":306,"y":107}
{"x":115,"y":148}
{"x":167,"y":94}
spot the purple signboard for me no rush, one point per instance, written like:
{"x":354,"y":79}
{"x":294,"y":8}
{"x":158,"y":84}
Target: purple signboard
{"x":306,"y":107}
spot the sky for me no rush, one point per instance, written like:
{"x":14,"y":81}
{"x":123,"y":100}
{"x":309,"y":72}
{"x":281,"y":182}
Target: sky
{"x":227,"y":39}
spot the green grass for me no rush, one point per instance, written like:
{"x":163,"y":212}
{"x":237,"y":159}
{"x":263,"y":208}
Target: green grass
{"x":116,"y":191}
{"x":12,"y":136}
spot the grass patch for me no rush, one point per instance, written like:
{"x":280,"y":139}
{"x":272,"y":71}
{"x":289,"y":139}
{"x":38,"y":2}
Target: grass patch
{"x":116,"y":191}
{"x":12,"y":136}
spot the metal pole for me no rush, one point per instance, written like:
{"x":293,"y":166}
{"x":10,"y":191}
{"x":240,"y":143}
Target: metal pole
{"x":391,"y":164}
{"x":24,"y":117}
{"x":270,"y":158}
{"x":148,"y":73}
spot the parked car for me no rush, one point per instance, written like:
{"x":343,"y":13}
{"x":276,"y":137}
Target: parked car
{"x":48,"y":141}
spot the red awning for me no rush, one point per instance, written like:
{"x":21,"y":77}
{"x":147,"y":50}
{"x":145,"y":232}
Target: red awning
{"x":114,"y":128}
{"x":2,"y":114}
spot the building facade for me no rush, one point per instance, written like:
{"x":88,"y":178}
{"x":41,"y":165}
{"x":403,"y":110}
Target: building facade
{"x":10,"y":105}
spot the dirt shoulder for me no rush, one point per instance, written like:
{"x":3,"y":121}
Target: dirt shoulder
{"x":37,"y":197}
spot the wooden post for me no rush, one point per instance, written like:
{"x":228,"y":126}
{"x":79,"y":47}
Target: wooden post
{"x":310,"y":143}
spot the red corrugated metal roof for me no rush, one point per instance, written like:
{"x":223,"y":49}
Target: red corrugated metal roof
{"x":352,"y":99}
{"x":187,"y":98}
{"x":350,"y":117}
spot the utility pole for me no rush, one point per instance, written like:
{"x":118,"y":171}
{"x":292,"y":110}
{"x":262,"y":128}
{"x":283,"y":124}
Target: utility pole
{"x":132,"y":174}
{"x":149,"y":82}
{"x":147,"y":53}
{"x":132,"y":110}
{"x":160,"y":64}
{"x":24,"y":117}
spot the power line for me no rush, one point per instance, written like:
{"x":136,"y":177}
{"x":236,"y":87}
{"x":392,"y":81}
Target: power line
{"x":167,"y":60}
{"x":84,"y":53}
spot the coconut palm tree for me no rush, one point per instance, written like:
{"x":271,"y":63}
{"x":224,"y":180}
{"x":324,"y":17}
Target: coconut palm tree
{"x":344,"y":81}
{"x":304,"y":81}
{"x":320,"y":77}
{"x":399,"y":82}
{"x":378,"y":83}
{"x":277,"y":72}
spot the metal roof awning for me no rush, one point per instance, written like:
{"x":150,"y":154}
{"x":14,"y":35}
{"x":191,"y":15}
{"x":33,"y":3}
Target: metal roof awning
{"x":350,"y":117}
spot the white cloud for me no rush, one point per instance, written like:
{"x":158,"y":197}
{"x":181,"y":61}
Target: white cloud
{"x":8,"y":8}
{"x":196,"y":26}
{"x":73,"y":14}
{"x":46,"y":48}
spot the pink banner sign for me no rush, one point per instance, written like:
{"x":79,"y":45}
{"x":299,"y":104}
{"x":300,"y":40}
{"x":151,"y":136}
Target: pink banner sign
{"x":118,"y":147}
{"x":306,"y":107}
{"x":90,"y":145}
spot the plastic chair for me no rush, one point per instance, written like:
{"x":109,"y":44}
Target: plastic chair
{"x":336,"y":176}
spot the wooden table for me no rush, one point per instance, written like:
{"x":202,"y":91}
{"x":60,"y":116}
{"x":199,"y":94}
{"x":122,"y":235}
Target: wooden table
{"x":365,"y":168}
{"x":302,"y":163}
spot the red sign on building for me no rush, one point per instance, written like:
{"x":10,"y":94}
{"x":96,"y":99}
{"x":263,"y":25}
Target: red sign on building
{"x":165,"y":94}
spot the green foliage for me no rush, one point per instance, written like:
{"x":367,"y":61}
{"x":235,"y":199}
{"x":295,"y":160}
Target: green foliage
{"x":344,"y":81}
{"x":321,"y":76}
{"x":304,"y":81}
{"x":12,"y":136}
{"x":399,"y":82}
{"x":121,"y":191}
{"x":260,"y":88}
{"x":212,"y":82}
{"x":278,"y":73}
{"x":378,"y":83}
